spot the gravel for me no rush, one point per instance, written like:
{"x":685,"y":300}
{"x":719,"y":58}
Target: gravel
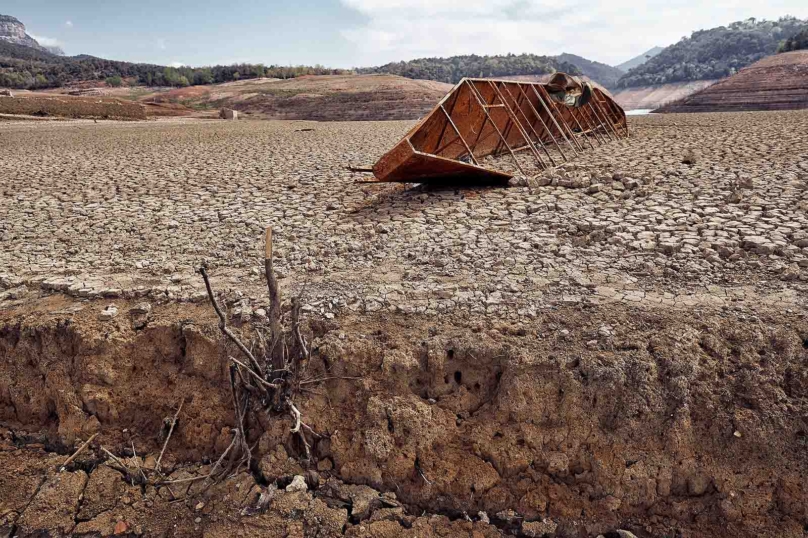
{"x":131,"y":209}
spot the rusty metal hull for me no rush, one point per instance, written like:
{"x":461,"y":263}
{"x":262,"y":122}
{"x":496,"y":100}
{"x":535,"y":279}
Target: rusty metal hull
{"x":479,"y":118}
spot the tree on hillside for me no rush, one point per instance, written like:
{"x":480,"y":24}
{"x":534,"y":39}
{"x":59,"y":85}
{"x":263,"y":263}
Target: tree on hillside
{"x":715,"y":53}
{"x":455,"y":68}
{"x":798,"y":41}
{"x":28,"y":68}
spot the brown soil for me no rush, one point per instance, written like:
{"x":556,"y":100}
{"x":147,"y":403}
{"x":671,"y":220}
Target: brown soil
{"x":779,"y":82}
{"x":320,"y":98}
{"x":651,"y":97}
{"x":30,"y":104}
{"x":585,"y":420}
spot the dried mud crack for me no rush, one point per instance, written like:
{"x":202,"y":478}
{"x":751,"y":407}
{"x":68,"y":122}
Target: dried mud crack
{"x":616,"y":347}
{"x":578,"y":423}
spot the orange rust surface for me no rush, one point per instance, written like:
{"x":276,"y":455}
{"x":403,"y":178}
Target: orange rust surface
{"x":485,"y":117}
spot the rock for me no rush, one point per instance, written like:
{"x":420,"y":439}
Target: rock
{"x":593,"y":189}
{"x":605,"y":331}
{"x":298,"y":484}
{"x":517,"y":181}
{"x":228,"y":114}
{"x":689,"y":157}
{"x":483,"y":517}
{"x":108,"y":313}
{"x":625,"y":534}
{"x":140,"y":309}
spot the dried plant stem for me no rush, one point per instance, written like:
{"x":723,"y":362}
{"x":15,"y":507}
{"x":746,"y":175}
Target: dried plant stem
{"x":77,"y":452}
{"x":168,"y":437}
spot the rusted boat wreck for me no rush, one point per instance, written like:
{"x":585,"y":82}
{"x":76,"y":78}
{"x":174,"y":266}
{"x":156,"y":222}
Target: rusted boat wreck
{"x":529,"y":123}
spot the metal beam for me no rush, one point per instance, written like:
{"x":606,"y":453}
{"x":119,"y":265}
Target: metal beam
{"x":493,"y":123}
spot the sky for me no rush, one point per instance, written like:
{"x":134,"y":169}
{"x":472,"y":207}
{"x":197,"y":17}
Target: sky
{"x":358,"y":33}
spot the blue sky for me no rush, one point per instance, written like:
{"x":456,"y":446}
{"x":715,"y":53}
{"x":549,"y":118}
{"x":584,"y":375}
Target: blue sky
{"x":348,"y":33}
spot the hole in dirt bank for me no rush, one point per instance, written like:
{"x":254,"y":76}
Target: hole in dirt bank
{"x":458,"y":377}
{"x":805,"y":343}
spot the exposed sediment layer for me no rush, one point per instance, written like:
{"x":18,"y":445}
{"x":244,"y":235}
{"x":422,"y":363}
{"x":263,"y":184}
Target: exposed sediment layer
{"x":686,"y":422}
{"x":778,"y":82}
{"x":71,"y":107}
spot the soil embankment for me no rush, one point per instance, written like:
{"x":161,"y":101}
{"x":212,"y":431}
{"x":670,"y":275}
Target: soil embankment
{"x":581,"y":421}
{"x":319,"y":98}
{"x":652,"y":97}
{"x":779,"y":82}
{"x":30,"y":104}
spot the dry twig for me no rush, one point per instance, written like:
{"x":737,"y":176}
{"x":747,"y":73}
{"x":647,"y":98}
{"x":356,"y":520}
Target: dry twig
{"x":77,"y":452}
{"x":223,"y":323}
{"x":168,"y":437}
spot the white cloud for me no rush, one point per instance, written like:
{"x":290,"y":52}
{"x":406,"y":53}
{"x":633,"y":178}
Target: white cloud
{"x":47,"y":41}
{"x":609,"y":32}
{"x":69,"y":24}
{"x":177,"y":64}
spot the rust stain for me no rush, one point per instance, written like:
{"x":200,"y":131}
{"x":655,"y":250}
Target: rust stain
{"x":482,"y":117}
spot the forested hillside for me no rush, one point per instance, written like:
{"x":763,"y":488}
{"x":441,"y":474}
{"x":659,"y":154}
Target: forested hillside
{"x":29,"y":68}
{"x":603,"y":74}
{"x":798,"y":41}
{"x":454,"y":68}
{"x":715,"y":53}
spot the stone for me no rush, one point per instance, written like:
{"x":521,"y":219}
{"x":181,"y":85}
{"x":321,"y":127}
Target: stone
{"x":228,"y":114}
{"x":141,"y":309}
{"x":108,"y":313}
{"x":298,"y":484}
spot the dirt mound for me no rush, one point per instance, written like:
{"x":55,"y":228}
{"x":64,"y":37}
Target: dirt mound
{"x":778,"y":82}
{"x":685,"y":423}
{"x":71,"y":107}
{"x":321,"y":98}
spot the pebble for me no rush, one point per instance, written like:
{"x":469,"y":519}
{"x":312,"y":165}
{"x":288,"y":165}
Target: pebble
{"x":108,"y":313}
{"x":298,"y":484}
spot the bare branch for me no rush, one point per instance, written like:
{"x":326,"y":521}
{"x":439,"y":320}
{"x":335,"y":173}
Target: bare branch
{"x":77,"y":452}
{"x":168,"y":437}
{"x":223,"y":323}
{"x":260,"y":379}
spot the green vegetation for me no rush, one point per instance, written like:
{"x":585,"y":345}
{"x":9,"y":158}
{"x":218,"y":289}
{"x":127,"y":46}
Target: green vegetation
{"x":715,"y":53}
{"x":453,"y":69}
{"x":600,"y":73}
{"x":114,"y":81}
{"x":29,"y":68}
{"x":798,"y":41}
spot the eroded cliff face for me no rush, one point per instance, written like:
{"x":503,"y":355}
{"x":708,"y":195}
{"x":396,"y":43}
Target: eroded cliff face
{"x":13,"y":31}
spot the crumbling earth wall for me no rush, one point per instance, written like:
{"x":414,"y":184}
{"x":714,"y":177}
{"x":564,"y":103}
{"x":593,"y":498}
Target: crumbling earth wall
{"x":72,"y":107}
{"x":669,"y":423}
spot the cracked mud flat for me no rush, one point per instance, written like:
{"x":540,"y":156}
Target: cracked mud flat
{"x":621,"y":345}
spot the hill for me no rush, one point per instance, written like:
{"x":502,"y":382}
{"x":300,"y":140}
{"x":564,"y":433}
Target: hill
{"x":13,"y":31}
{"x":637,"y":61}
{"x":24,"y":64}
{"x":606,"y":75}
{"x":798,"y":41}
{"x":713,"y":54}
{"x":453,"y":69}
{"x":777,"y":82}
{"x":320,"y":98}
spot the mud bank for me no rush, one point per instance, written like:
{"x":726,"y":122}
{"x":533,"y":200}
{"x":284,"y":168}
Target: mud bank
{"x":581,"y":422}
